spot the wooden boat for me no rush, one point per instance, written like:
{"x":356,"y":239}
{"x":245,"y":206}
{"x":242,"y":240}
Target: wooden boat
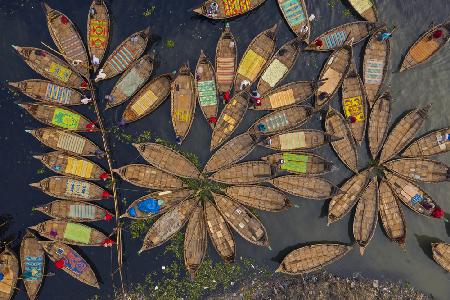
{"x":354,"y":104}
{"x":67,"y":39}
{"x":71,"y":189}
{"x":51,"y":67}
{"x":426,"y":46}
{"x":310,"y":258}
{"x":48,"y":92}
{"x":219,"y":232}
{"x":169,"y":224}
{"x":289,"y":94}
{"x":435,"y":142}
{"x":59,"y":117}
{"x":332,"y":75}
{"x":336,"y":37}
{"x":195,"y":241}
{"x":259,"y":197}
{"x":255,"y":58}
{"x":279,"y":66}
{"x":299,"y":163}
{"x":71,"y":233}
{"x":98,"y":30}
{"x":183,"y":102}
{"x":67,"y":141}
{"x":74,"y":211}
{"x":366,"y":216}
{"x":281,"y":120}
{"x":9,"y":267}
{"x":149,"y":177}
{"x":73,"y":264}
{"x":403,"y":132}
{"x":220,"y":10}
{"x":229,"y":119}
{"x":244,"y":173}
{"x":168,"y":160}
{"x":378,"y":123}
{"x":366,"y":9}
{"x":226,"y":60}
{"x":351,"y":190}
{"x":155,"y":204}
{"x":231,"y":152}
{"x":375,"y":65}
{"x":441,"y":254}
{"x":124,"y":55}
{"x":131,"y":81}
{"x":345,"y":148}
{"x":300,"y":139}
{"x":72,"y":166}
{"x":296,"y":15}
{"x":32,"y":263}
{"x":314,"y":188}
{"x":419,"y":169}
{"x":391,"y":214}
{"x":242,"y":220}
{"x":149,"y":98}
{"x":205,"y":85}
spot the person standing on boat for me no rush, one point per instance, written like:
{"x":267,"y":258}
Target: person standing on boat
{"x":385,"y":35}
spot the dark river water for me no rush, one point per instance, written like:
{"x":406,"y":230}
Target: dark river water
{"x":23,"y":23}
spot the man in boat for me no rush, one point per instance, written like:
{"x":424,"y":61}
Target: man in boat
{"x":385,"y":35}
{"x":212,"y":10}
{"x":255,"y":98}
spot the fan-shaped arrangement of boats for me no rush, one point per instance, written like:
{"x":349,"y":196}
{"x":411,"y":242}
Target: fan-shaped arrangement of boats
{"x":433,"y":143}
{"x":419,"y":169}
{"x":226,"y":60}
{"x":314,"y":188}
{"x":32,"y":263}
{"x":225,"y":9}
{"x":286,"y":95}
{"x":441,"y":254}
{"x":9,"y":267}
{"x":302,"y":163}
{"x":98,"y":32}
{"x":378,"y":123}
{"x":301,"y":139}
{"x":259,"y":197}
{"x":366,"y":9}
{"x":74,"y":211}
{"x":296,"y":15}
{"x":205,"y":84}
{"x":244,"y":173}
{"x":195,"y":241}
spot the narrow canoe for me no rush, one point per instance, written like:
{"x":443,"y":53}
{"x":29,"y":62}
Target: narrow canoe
{"x":169,"y":224}
{"x":168,"y":160}
{"x":332,"y":75}
{"x":426,"y":46}
{"x":354,"y":104}
{"x":67,"y":39}
{"x":183,"y":102}
{"x":351,"y":190}
{"x":380,"y":115}
{"x":74,"y":211}
{"x":296,"y":15}
{"x":59,"y":117}
{"x":195,"y":241}
{"x":286,"y":95}
{"x":391,"y":214}
{"x":345,"y":148}
{"x":441,"y":254}
{"x":279,"y":66}
{"x":98,"y":31}
{"x":71,"y":189}
{"x":226,"y":60}
{"x":403,"y":132}
{"x":124,"y":55}
{"x":71,"y":233}
{"x":242,"y":220}
{"x":255,"y":58}
{"x":336,"y":37}
{"x":259,"y":197}
{"x":375,"y":65}
{"x":220,"y":10}
{"x":314,"y":188}
{"x":366,"y":9}
{"x":48,"y":92}
{"x":229,"y":119}
{"x":32,"y":263}
{"x":419,"y":169}
{"x":311,"y":258}
{"x":231,"y":152}
{"x":155,"y":204}
{"x":206,"y":88}
{"x":51,"y":67}
{"x":74,"y":265}
{"x":131,"y":81}
{"x":244,"y":173}
{"x":9,"y":267}
{"x":148,"y":98}
{"x":149,"y":177}
{"x":219,"y":232}
{"x":72,"y":166}
{"x":299,"y":163}
{"x":435,"y":142}
{"x":67,"y":141}
{"x":300,"y":139}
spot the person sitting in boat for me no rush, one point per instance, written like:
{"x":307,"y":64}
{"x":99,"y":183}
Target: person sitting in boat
{"x":323,"y":96}
{"x":261,"y":127}
{"x":100,"y":76}
{"x":213,"y":9}
{"x":95,"y":60}
{"x":304,"y":29}
{"x":92,"y":11}
{"x":385,"y":35}
{"x":352,"y":119}
{"x":255,"y":98}
{"x":179,"y":140}
{"x":226,"y":97}
{"x":244,"y":84}
{"x":437,"y":34}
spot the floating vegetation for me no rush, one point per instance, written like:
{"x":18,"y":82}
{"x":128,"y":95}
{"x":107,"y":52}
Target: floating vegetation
{"x":170,"y":44}
{"x":149,"y":11}
{"x":138,"y":228}
{"x":347,"y":13}
{"x":40,"y":170}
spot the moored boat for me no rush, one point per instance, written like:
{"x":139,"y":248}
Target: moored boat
{"x":195,"y":241}
{"x":299,"y":163}
{"x":366,"y":9}
{"x":380,"y":115}
{"x":220,"y":10}
{"x":205,"y":83}
{"x":296,"y":15}
{"x":314,"y":188}
{"x":435,"y":142}
{"x":300,"y":139}
{"x":9,"y":268}
{"x":289,"y":94}
{"x":98,"y":31}
{"x":74,"y":211}
{"x":244,"y":173}
{"x":32,"y":263}
{"x":259,"y":197}
{"x":226,"y":60}
{"x":441,"y":254}
{"x":419,"y":169}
